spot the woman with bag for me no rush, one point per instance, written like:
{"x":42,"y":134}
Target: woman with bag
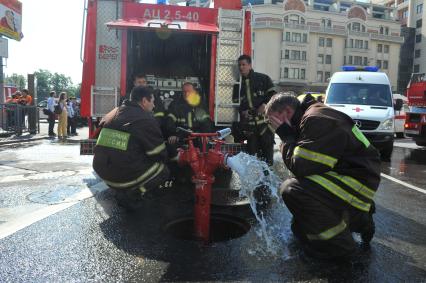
{"x":63,"y":116}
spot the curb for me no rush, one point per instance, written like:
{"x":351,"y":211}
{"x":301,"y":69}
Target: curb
{"x":23,"y":140}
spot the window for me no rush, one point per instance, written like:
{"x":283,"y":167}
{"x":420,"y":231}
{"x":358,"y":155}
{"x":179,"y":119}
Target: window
{"x":304,"y":55}
{"x":356,"y":26}
{"x":320,"y":59}
{"x":419,"y":23}
{"x":344,"y":60}
{"x":358,"y":60}
{"x":287,"y":54}
{"x":321,"y":41}
{"x":296,"y":37}
{"x":365,"y":61}
{"x":385,"y":64}
{"x":319,"y":76}
{"x":379,"y":64}
{"x":326,"y":23}
{"x":302,"y":74}
{"x":419,"y":8}
{"x":381,"y":30}
{"x":359,"y":94}
{"x":386,"y":48}
{"x":418,"y":38}
{"x":253,"y":37}
{"x":350,"y":60}
{"x":416,"y":69}
{"x":379,"y":47}
{"x":417,"y":53}
{"x":366,"y":44}
{"x":386,"y":31}
{"x":305,"y":38}
{"x":295,"y":55}
{"x":286,"y":73}
{"x":329,"y":42}
{"x":287,"y":36}
{"x":327,"y":75}
{"x":359,"y":44}
{"x":293,"y":73}
{"x":328,"y":59}
{"x":351,"y":43}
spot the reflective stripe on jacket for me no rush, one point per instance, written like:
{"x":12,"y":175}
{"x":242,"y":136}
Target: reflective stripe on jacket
{"x":326,"y":148}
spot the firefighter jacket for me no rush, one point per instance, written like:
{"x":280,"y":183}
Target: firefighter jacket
{"x":326,"y":149}
{"x":181,"y":114}
{"x":130,"y":147}
{"x":256,"y":89}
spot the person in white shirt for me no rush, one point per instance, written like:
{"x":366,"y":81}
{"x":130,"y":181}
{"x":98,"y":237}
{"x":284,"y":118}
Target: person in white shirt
{"x":51,"y":107}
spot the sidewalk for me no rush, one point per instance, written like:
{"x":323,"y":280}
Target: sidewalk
{"x":83,"y":133}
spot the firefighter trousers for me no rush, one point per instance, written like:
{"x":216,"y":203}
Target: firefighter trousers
{"x":262,"y":145}
{"x":325,"y":232}
{"x":130,"y":197}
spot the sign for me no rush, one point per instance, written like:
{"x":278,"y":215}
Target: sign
{"x":11,"y":19}
{"x":107,"y":52}
{"x":4,"y":49}
{"x":148,"y":12}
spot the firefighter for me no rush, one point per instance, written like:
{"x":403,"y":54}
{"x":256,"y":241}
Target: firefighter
{"x":187,"y":113}
{"x":159,"y":111}
{"x":336,"y":174}
{"x":255,"y":91}
{"x":130,"y":152}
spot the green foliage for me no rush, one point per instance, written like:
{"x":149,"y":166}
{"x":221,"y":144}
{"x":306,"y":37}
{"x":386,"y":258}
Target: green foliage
{"x":16,"y":80}
{"x":47,"y":81}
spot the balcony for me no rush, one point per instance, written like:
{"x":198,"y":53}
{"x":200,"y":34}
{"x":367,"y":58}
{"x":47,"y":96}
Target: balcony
{"x":359,"y":33}
{"x":297,"y":82}
{"x":260,"y":24}
{"x":389,"y":38}
{"x":293,"y":62}
{"x":296,"y":26}
{"x":326,"y":30}
{"x":356,"y":50}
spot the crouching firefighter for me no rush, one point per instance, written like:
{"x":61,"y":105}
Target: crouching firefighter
{"x":254,"y":92}
{"x":130,"y":152}
{"x":337,"y":172}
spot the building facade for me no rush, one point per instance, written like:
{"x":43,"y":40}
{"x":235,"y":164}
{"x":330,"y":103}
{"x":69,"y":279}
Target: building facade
{"x":300,"y":44}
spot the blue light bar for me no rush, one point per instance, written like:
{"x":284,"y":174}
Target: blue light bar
{"x":354,"y":68}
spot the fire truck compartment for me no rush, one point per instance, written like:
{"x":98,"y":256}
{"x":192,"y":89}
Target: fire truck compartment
{"x":168,"y":58}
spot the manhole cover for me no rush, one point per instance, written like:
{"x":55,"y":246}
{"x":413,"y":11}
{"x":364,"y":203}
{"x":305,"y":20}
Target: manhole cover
{"x":55,"y":196}
{"x":50,"y":175}
{"x":223,"y":227}
{"x":228,"y":198}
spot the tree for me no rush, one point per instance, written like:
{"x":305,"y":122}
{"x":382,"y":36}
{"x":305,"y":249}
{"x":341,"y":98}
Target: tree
{"x":43,"y":83}
{"x":60,"y":82}
{"x":16,"y":80}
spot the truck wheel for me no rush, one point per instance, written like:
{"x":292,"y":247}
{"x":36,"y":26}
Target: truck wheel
{"x":386,"y":152}
{"x":400,"y":135}
{"x":419,"y":143}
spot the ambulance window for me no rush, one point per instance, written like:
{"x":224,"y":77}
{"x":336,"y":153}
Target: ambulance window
{"x":361,"y":94}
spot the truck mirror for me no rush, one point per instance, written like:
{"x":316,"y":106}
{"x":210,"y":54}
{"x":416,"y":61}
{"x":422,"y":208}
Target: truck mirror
{"x":398,"y":104}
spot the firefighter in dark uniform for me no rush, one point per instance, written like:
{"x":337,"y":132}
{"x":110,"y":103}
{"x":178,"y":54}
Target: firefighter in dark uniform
{"x":256,"y":90}
{"x":159,"y":110}
{"x":336,"y":174}
{"x":187,"y":113}
{"x":130,"y":152}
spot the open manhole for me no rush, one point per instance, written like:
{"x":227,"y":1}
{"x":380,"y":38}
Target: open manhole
{"x":223,"y":227}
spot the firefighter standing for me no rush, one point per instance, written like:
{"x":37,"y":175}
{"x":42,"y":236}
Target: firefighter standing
{"x":337,"y":173}
{"x":130,"y":152}
{"x":255,"y":91}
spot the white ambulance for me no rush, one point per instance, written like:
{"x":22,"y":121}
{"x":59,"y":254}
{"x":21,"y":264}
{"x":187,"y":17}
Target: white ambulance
{"x":365,"y":95}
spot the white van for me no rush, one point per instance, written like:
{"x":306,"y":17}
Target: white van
{"x":365,"y":95}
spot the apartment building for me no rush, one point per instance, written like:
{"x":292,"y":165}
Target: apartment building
{"x":300,"y":44}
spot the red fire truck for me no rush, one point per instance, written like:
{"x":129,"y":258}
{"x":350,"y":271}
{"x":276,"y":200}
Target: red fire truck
{"x":415,"y":121}
{"x":170,"y":44}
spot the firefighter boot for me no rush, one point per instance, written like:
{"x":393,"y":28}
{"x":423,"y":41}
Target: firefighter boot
{"x":369,"y":228}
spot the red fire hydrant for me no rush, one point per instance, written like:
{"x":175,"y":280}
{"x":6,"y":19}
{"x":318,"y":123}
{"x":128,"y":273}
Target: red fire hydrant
{"x":203,"y":164}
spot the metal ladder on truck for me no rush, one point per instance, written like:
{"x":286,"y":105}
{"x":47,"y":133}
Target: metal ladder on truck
{"x":229,"y":48}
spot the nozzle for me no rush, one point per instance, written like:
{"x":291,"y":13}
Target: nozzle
{"x":223,"y":133}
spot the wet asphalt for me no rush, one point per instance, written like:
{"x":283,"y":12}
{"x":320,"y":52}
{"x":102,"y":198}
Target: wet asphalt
{"x":94,"y":240}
